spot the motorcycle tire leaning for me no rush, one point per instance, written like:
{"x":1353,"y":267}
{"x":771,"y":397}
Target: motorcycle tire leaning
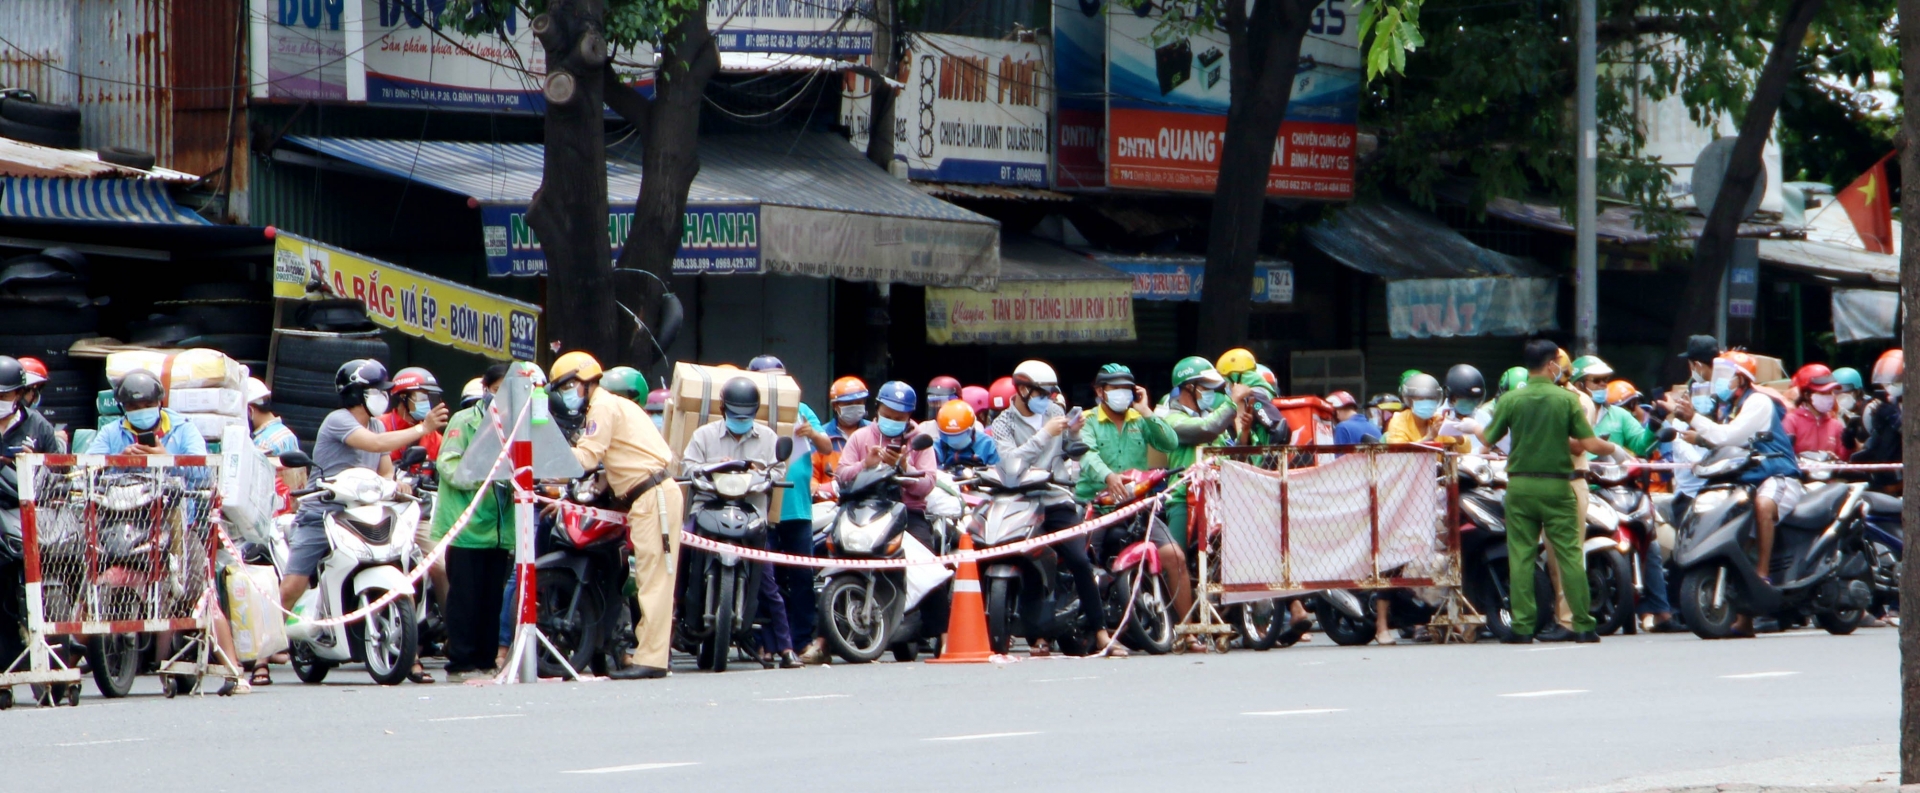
{"x":1696,"y":603}
{"x":853,"y":591}
{"x":1150,"y":628}
{"x":1610,"y":577}
{"x":1000,"y":615}
{"x":114,"y":659}
{"x":719,"y":647}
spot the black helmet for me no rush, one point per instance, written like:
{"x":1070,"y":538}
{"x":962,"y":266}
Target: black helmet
{"x":1465,"y":382}
{"x":137,"y":387}
{"x":358,"y":375}
{"x":740,"y":397}
{"x":13,"y":376}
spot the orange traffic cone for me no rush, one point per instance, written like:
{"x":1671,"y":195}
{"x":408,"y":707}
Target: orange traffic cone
{"x":967,"y":620}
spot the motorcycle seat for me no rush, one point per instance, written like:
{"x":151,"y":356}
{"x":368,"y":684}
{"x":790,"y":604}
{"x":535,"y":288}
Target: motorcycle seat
{"x":1881,"y":505}
{"x":1816,"y":511}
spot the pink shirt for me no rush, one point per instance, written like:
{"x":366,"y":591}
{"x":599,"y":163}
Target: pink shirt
{"x":1813,"y":432}
{"x":866,"y":441}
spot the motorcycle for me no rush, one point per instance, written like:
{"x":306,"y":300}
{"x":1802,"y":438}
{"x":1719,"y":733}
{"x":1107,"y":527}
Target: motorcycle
{"x":1611,"y":563}
{"x":1133,"y":554}
{"x":1028,"y":594}
{"x":720,"y":592}
{"x":866,"y":612}
{"x":371,"y":554}
{"x":1822,"y":560}
{"x":1348,"y":617}
{"x":423,"y":479}
{"x":1483,"y":544}
{"x":1883,"y":530}
{"x":581,"y":581}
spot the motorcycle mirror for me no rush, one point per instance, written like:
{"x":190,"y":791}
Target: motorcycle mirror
{"x":783,"y":448}
{"x":414,"y":455}
{"x":1076,"y":450}
{"x":922,"y":443}
{"x":297,"y":459}
{"x":1667,"y":434}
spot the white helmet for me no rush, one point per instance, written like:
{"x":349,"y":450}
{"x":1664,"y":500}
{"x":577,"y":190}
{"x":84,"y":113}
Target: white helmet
{"x":1036,"y":373}
{"x":256,"y":391}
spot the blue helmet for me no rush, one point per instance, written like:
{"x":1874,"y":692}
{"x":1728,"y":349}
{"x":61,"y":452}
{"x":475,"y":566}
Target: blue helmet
{"x":899,"y":396}
{"x":766,"y":363}
{"x":1849,"y":377}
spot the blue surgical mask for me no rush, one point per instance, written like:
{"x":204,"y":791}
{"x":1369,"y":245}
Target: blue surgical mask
{"x":1039,"y":403}
{"x":144,"y":418}
{"x":1703,"y":404}
{"x":1599,"y":396}
{"x":659,"y":421}
{"x":958,"y":442}
{"x":739,"y":425}
{"x":1465,"y":407}
{"x":1209,"y":399}
{"x":1424,"y":409}
{"x":573,"y":399}
{"x":891,"y":427}
{"x":1723,"y":389}
{"x":418,"y":412}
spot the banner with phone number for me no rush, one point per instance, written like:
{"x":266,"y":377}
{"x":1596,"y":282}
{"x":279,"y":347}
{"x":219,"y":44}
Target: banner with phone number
{"x":420,"y":305}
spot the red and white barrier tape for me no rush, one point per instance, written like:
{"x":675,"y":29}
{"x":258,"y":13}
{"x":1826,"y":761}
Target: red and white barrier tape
{"x":1835,"y":467}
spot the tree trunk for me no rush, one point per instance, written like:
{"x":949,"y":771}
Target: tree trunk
{"x":669,"y":135}
{"x":1910,"y":422}
{"x":571,"y":218}
{"x":1700,"y":303}
{"x":886,"y":61}
{"x":1263,"y":54}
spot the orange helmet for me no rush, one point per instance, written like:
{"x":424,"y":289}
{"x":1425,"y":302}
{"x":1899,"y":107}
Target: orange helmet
{"x":1742,"y":362}
{"x":1815,"y":378}
{"x":1890,"y":368}
{"x":955,"y":417}
{"x":1001,"y":394}
{"x":1620,"y":392}
{"x":36,"y":371}
{"x":847,"y":389}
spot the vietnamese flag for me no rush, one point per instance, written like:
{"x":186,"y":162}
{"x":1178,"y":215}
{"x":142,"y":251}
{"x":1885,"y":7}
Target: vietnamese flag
{"x":1870,"y":208}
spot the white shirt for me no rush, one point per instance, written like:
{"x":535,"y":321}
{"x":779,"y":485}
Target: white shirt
{"x":1753,"y":417}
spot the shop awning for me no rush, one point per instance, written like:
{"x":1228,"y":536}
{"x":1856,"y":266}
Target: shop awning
{"x":1047,"y":294}
{"x":1613,"y":224}
{"x":1836,"y":264}
{"x":799,"y":203}
{"x":96,"y":200}
{"x":1179,"y":276}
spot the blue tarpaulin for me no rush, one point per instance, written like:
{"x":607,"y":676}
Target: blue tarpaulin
{"x":99,"y":200}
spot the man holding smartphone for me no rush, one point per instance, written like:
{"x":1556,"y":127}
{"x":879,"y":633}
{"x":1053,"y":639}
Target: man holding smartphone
{"x":145,"y":427}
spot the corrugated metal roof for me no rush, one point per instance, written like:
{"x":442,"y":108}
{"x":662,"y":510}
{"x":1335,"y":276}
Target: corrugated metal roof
{"x":20,"y":158}
{"x":100,"y":200}
{"x":1844,"y":265}
{"x":1397,"y":241}
{"x":1614,"y":224}
{"x":999,"y":192}
{"x":1024,"y":258}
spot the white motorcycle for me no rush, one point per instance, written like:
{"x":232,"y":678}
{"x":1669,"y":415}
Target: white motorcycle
{"x":372,"y":554}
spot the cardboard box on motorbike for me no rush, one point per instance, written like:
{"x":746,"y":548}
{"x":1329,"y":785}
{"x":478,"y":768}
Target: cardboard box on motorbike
{"x":695,"y":400}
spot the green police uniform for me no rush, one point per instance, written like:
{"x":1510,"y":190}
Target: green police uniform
{"x":1542,"y":417}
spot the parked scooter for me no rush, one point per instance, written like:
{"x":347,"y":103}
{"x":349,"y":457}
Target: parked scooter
{"x":864,"y":612}
{"x":581,"y":581}
{"x":1483,"y":544}
{"x":720,"y":592}
{"x":1883,"y":531}
{"x":1129,"y":553}
{"x":1028,"y":594}
{"x":1822,"y":562}
{"x":1621,"y":487}
{"x":372,"y":554}
{"x":1348,"y":617}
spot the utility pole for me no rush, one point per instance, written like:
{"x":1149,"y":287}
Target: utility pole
{"x":1910,"y":420}
{"x":1585,"y":267}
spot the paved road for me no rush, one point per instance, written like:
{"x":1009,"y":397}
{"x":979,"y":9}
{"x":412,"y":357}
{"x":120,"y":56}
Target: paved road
{"x":1630,"y":713}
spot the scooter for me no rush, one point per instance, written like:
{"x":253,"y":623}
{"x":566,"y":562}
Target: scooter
{"x":371,"y":554}
{"x":866,"y":612}
{"x":1621,"y":486}
{"x":1822,"y":561}
{"x":1483,"y":545}
{"x":1883,"y":529}
{"x":1128,"y":552}
{"x":1348,"y":617}
{"x":720,"y":592}
{"x":581,"y":581}
{"x":423,"y":479}
{"x":1028,"y":594}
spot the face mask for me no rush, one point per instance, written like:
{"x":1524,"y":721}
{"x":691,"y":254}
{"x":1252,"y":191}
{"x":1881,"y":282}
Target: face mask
{"x":419,"y":410}
{"x":892,"y":427}
{"x":1723,"y":389}
{"x":1465,"y":407}
{"x":1846,"y":403}
{"x":1894,"y":391}
{"x":1822,"y":403}
{"x":1038,"y":404}
{"x":1599,"y":396}
{"x":1118,"y":400}
{"x":144,"y":418}
{"x":852,"y":414}
{"x":1209,"y":399}
{"x":739,"y":425}
{"x":1424,"y":409}
{"x":1703,"y":404}
{"x":573,"y":399}
{"x":957,"y":442}
{"x":376,"y":403}
{"x":7,"y":408}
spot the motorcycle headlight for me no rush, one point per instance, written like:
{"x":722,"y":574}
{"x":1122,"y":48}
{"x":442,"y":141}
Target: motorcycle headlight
{"x":732,"y":485}
{"x":1710,"y":500}
{"x":367,"y":493}
{"x":860,"y":538}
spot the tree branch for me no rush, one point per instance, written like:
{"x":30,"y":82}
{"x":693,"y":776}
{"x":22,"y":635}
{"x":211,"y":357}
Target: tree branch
{"x":626,"y":102}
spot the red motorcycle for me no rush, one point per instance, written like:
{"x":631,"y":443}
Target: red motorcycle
{"x":1127,"y":553}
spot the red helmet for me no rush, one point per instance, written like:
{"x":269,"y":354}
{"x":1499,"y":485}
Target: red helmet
{"x":1341,"y":399}
{"x":414,"y":378}
{"x":1890,"y":368}
{"x":36,"y":371}
{"x":1001,"y":394}
{"x":943,"y":386}
{"x":1815,"y":378}
{"x":976,"y":398}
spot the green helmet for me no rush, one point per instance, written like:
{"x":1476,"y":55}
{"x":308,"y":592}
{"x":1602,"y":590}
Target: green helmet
{"x":1586,"y":365}
{"x":1194,"y":367}
{"x":1408,"y":375}
{"x":625,"y":381}
{"x":1512,"y":379}
{"x":1849,"y":377}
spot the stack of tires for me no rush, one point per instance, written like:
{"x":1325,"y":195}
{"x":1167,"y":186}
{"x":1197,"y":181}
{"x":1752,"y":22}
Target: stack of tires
{"x":23,"y":117}
{"x":330,"y":333}
{"x":44,"y":309}
{"x":234,"y":318}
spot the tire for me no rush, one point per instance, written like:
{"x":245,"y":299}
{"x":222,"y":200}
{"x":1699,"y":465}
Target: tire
{"x":51,"y":348}
{"x":309,"y":669}
{"x":389,"y":638}
{"x":235,"y":345}
{"x":719,"y":647}
{"x":848,"y":634}
{"x":74,"y":417}
{"x":43,"y":318}
{"x":250,"y":319}
{"x":115,"y":661}
{"x":130,"y":158}
{"x":339,"y":315}
{"x":327,"y":353}
{"x":1696,"y":603}
{"x":999,"y":615}
{"x":620,"y":642}
{"x":1487,"y":592}
{"x":574,"y":639}
{"x":297,"y":386}
{"x":1610,"y":585}
{"x":29,"y":133}
{"x":1151,"y":626}
{"x":1261,"y":623}
{"x":906,"y":652}
{"x":1342,"y":629}
{"x":52,"y":117}
{"x":1839,"y":623}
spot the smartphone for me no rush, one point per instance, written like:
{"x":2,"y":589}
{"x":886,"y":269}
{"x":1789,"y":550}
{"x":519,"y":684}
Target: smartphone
{"x":146,"y":439}
{"x":1073,"y":415}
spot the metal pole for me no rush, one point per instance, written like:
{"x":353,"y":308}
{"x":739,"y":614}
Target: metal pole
{"x":1585,"y":298}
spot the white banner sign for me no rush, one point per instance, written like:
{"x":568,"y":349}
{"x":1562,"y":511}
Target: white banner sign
{"x":813,"y":27}
{"x":856,"y":246}
{"x":1444,"y":307}
{"x":974,"y":111}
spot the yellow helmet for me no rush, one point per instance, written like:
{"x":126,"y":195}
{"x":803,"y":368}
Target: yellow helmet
{"x":574,"y":364}
{"x":1565,"y":362}
{"x":1235,"y":361}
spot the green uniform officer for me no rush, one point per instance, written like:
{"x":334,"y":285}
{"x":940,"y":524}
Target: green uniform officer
{"x":1548,"y":424}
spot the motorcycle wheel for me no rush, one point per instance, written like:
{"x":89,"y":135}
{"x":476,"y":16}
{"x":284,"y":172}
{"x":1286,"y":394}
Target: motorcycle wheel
{"x":306,"y":667}
{"x":999,"y":615}
{"x":1839,"y":623}
{"x":389,"y":639}
{"x":115,"y":662}
{"x":1151,"y":626}
{"x":1696,"y":604}
{"x":1342,"y":629}
{"x":1610,"y":589}
{"x":620,"y":642}
{"x":1487,"y":595}
{"x":715,"y":651}
{"x":1261,"y":623}
{"x":554,"y":590}
{"x":848,"y":632}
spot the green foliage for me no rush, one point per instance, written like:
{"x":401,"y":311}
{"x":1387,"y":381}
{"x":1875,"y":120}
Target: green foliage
{"x":1838,"y":119}
{"x":1389,"y":29}
{"x":629,"y":23}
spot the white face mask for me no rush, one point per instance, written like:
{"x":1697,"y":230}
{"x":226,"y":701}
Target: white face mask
{"x":1822,"y":403}
{"x":1846,"y":403}
{"x":376,"y":403}
{"x":1119,"y":399}
{"x":7,"y":407}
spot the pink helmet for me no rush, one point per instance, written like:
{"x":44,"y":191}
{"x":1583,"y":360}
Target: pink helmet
{"x":976,"y":398}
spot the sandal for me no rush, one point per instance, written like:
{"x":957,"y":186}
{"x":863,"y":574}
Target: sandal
{"x":420,"y":675}
{"x":261,"y":676}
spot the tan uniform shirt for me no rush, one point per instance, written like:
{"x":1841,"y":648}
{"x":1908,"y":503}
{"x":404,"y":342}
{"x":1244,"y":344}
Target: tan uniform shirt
{"x":620,"y":435}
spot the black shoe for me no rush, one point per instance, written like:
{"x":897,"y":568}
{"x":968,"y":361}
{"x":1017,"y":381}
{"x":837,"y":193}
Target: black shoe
{"x":637,"y":673}
{"x":1669,"y":626}
{"x":1517,"y":638}
{"x":1586,"y":637}
{"x":1554,"y":633}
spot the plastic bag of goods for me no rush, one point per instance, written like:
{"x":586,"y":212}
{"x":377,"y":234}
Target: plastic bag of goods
{"x":196,"y":368}
{"x":216,"y":401}
{"x":213,"y":426}
{"x":247,"y":498}
{"x":253,"y":592}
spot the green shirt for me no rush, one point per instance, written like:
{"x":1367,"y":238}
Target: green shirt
{"x":1542,"y":417}
{"x":1112,"y":448}
{"x":1193,"y":430}
{"x":492,"y":523}
{"x":1617,"y":424}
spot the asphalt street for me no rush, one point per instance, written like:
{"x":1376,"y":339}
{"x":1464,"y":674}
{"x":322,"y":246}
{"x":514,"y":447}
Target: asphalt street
{"x":1630,"y":713}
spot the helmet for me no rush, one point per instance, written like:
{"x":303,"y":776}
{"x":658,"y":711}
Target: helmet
{"x":1565,"y":364}
{"x":574,"y":364}
{"x":1420,"y":386}
{"x":356,"y":376}
{"x":256,"y":391}
{"x":1341,"y":399}
{"x":36,"y":371}
{"x":1408,"y":375}
{"x":766,"y":363}
{"x":1035,"y":373}
{"x":657,"y":400}
{"x":1000,"y":395}
{"x":740,"y":397}
{"x":1815,"y":378}
{"x":1849,"y":377}
{"x":472,"y":392}
{"x":847,"y":389}
{"x":943,"y":386}
{"x":1512,"y":379}
{"x":625,"y":381}
{"x":414,"y":378}
{"x":1466,"y":382}
{"x":976,"y":398}
{"x":898,"y":395}
{"x":1194,"y":367}
{"x":1386,"y":402}
{"x":1114,"y":374}
{"x":13,"y":376}
{"x":955,"y":417}
{"x":1620,"y":392}
{"x":136,"y":387}
{"x":1234,"y":361}
{"x":1590,"y":365}
{"x":1890,"y":368}
{"x":1741,"y":362}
